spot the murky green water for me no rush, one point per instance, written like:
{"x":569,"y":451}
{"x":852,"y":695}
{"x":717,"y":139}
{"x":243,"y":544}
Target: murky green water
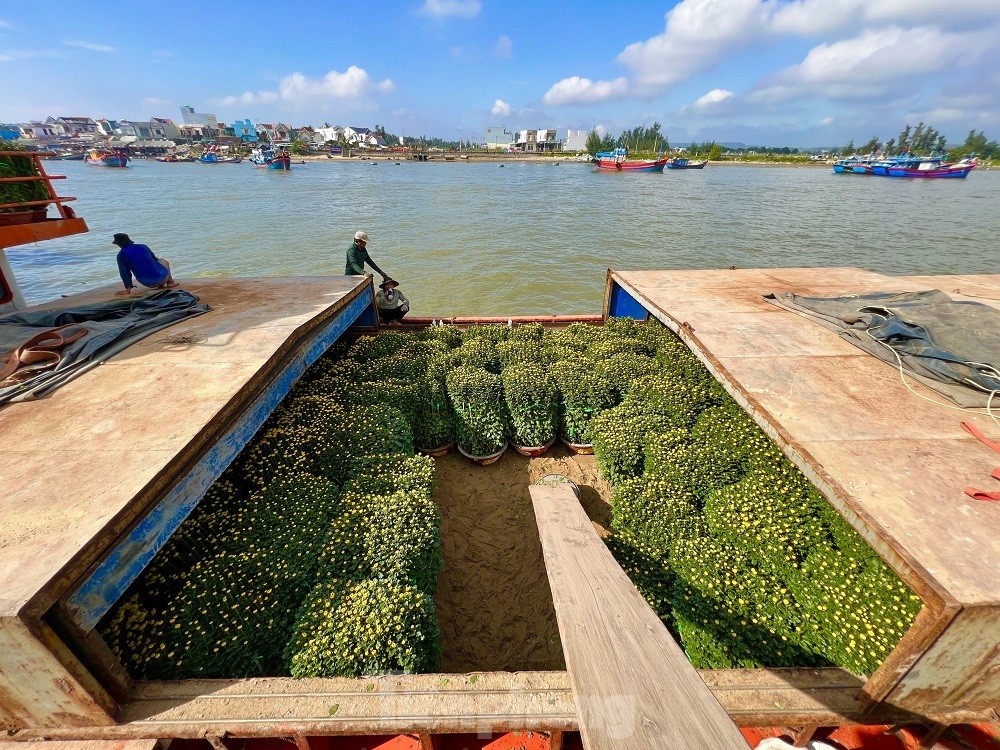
{"x":466,"y":239}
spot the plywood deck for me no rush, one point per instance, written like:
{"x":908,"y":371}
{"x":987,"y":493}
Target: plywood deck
{"x":80,"y":466}
{"x":632,"y":684}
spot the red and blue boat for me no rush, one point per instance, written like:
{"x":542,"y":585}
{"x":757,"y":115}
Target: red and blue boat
{"x":617,"y":161}
{"x":107,"y":158}
{"x":269,"y":157}
{"x":213,"y":155}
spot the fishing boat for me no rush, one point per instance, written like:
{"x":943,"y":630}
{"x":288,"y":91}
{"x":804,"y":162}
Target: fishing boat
{"x":617,"y":161}
{"x":854,"y":165}
{"x":679,"y":163}
{"x":174,"y":158}
{"x":212,"y":155}
{"x":930,"y":168}
{"x":107,"y":158}
{"x":270,"y":157}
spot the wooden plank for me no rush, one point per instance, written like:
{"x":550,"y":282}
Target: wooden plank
{"x":633,"y":686}
{"x":150,"y":744}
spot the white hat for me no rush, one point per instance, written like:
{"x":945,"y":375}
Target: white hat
{"x":363,"y":236}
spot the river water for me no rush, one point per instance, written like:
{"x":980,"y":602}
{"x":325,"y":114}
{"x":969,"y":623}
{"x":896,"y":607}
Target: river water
{"x":524,"y":238}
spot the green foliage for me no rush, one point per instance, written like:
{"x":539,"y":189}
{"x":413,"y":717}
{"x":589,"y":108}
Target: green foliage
{"x":434,"y":426}
{"x":20,"y":192}
{"x":448,"y":335}
{"x":367,"y":627}
{"x":480,"y":352}
{"x":584,"y":394}
{"x":619,"y":436}
{"x":519,"y":351}
{"x":480,"y":412}
{"x":654,"y":514}
{"x":593,"y":144}
{"x":680,"y":402}
{"x":533,"y":404}
{"x":492,"y":332}
{"x":369,"y":430}
{"x":621,"y":370}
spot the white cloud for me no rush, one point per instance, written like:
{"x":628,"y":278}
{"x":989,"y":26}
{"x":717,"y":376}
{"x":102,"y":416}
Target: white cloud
{"x":155,"y":101}
{"x":447,"y":8}
{"x":825,"y":122}
{"x":577,"y":90}
{"x":713,"y":97}
{"x":500,"y":107}
{"x":298,"y":88}
{"x":91,"y":46}
{"x":807,"y":17}
{"x":25,"y":54}
{"x":504,"y":47}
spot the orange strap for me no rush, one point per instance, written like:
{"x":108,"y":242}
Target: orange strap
{"x":978,"y":435}
{"x":41,"y":349}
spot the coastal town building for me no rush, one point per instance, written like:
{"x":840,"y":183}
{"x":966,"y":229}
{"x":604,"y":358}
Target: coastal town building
{"x":40,"y":130}
{"x":74,"y":126}
{"x":196,"y":133}
{"x":576,"y":140}
{"x":170,"y":131}
{"x":498,"y":138}
{"x":536,"y":140}
{"x":191,"y":117}
{"x":245,"y":131}
{"x":328,"y":134}
{"x":279,"y":134}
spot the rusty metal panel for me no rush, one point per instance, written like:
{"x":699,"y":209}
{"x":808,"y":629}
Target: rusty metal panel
{"x":961,"y":668}
{"x":36,"y":689}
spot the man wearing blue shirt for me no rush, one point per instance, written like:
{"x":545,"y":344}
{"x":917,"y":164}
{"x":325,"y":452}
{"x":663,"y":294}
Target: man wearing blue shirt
{"x":138,"y":260}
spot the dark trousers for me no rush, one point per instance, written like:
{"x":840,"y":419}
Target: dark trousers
{"x":387,"y":316}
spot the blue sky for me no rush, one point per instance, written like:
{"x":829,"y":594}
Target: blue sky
{"x":772,"y":72}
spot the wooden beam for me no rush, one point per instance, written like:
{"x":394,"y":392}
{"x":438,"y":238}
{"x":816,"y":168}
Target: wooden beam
{"x":633,"y":686}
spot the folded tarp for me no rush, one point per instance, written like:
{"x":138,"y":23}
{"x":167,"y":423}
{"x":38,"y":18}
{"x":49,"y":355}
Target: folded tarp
{"x":949,"y":345}
{"x":107,"y":328}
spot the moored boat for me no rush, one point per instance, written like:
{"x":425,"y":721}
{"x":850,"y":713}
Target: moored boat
{"x":617,"y":161}
{"x":174,"y":158}
{"x":269,"y":157}
{"x":932,"y":168}
{"x":679,"y":163}
{"x":212,"y":155}
{"x":107,"y":158}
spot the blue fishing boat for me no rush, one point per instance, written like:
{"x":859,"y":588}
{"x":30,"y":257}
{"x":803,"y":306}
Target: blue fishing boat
{"x":269,"y":157}
{"x":679,"y":163}
{"x":212,"y":155}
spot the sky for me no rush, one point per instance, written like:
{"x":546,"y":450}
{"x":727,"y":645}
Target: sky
{"x":763,"y":72}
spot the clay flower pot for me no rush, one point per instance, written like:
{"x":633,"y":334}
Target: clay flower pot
{"x":534,"y":450}
{"x":583,"y":449}
{"x":444,"y":450}
{"x":483,"y":460}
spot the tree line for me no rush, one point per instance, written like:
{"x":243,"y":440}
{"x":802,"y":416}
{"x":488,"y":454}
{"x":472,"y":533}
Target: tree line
{"x":927,"y":140}
{"x":639,"y":138}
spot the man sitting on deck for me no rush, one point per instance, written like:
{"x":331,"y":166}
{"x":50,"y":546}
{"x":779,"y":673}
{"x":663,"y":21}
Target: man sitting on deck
{"x":139,"y":261}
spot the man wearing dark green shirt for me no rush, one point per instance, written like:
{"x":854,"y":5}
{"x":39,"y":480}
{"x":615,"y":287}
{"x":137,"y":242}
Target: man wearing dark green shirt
{"x":357,"y":256}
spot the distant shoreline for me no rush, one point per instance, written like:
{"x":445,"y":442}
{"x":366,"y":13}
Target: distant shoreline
{"x":454,"y":158}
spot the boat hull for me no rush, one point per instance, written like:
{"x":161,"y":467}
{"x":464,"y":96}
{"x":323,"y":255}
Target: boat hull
{"x":696,"y":165}
{"x":107,"y":160}
{"x":276,"y":163}
{"x":939,"y":173}
{"x":611,"y":165}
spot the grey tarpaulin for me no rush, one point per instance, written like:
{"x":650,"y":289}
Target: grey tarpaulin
{"x":952,"y":346}
{"x":111,"y":326}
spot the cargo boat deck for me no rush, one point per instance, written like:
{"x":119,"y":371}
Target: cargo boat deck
{"x":167,"y":415}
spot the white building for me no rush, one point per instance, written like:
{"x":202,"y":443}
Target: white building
{"x":498,"y":139}
{"x":536,"y":140}
{"x":576,"y":140}
{"x":199,"y":118}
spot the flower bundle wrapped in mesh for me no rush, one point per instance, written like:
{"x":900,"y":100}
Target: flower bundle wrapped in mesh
{"x":480,"y":412}
{"x":676,"y":399}
{"x":519,"y":351}
{"x":855,"y":611}
{"x":654,"y":513}
{"x":390,"y":536}
{"x":383,"y":344}
{"x":479,"y":352}
{"x":231,"y":618}
{"x":448,"y":335}
{"x":648,"y":570}
{"x":621,"y":370}
{"x":730,"y":431}
{"x":385,"y":474}
{"x":527,"y":332}
{"x":533,"y":404}
{"x":492,"y":332}
{"x":368,"y":627}
{"x":728,"y":593}
{"x":584,"y":394}
{"x":674,"y":456}
{"x":362,"y":431}
{"x":773,"y":512}
{"x":619,"y":436}
{"x":435,"y":425}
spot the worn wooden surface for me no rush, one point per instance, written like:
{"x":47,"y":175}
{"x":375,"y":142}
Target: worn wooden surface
{"x":898,"y":460}
{"x":86,"y":745}
{"x":632,"y":684}
{"x":78,"y":465}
